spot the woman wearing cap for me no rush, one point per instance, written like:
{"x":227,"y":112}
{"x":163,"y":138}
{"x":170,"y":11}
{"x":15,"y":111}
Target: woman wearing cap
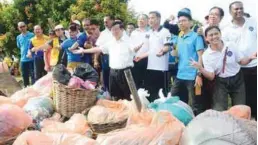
{"x":222,"y":63}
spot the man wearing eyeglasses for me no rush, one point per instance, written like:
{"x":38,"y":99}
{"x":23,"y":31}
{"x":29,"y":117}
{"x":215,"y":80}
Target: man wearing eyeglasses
{"x":23,"y":41}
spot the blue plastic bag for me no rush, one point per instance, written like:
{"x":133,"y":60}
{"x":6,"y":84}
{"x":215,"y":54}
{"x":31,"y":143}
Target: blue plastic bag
{"x":179,"y":109}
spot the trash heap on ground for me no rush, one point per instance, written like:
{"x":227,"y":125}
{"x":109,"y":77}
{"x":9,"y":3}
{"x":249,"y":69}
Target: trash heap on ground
{"x":66,"y":108}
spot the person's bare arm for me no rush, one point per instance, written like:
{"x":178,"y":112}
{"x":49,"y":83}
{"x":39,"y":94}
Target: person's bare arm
{"x":247,"y":60}
{"x":92,"y":50}
{"x":209,"y":75}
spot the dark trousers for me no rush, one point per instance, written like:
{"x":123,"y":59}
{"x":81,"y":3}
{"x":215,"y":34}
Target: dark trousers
{"x":207,"y":93}
{"x":180,"y":86}
{"x":234,"y":86}
{"x":250,"y":78}
{"x":39,"y":68}
{"x":27,"y":69}
{"x":139,"y":72}
{"x":62,"y":58}
{"x":155,"y":80}
{"x":105,"y":71}
{"x":119,"y":88}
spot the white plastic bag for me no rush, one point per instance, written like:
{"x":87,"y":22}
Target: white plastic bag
{"x":143,"y":94}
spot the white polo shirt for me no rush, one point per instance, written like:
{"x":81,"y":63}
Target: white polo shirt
{"x":156,"y":43}
{"x":121,"y":52}
{"x":104,"y":37}
{"x":213,"y":60}
{"x":244,"y":37}
{"x":138,"y":37}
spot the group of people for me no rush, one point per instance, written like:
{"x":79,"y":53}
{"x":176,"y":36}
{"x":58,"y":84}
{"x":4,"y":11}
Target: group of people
{"x":221,"y":61}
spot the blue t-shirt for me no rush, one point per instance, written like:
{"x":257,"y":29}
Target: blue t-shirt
{"x":23,"y":42}
{"x":81,"y":40}
{"x":187,"y":47}
{"x":70,"y":56}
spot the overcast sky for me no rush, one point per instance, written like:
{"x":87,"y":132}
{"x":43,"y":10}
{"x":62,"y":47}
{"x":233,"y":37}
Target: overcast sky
{"x":199,"y":8}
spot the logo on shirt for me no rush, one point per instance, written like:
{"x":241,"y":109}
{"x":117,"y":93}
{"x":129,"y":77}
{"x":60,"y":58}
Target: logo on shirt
{"x":229,"y":53}
{"x":251,"y":28}
{"x":147,"y":36}
{"x":168,"y":38}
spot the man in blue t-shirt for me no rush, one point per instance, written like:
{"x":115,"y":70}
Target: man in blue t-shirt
{"x":73,"y":59}
{"x":83,"y":41}
{"x":23,"y":41}
{"x":189,"y":46}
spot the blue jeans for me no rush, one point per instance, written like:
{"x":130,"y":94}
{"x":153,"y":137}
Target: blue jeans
{"x":27,"y":69}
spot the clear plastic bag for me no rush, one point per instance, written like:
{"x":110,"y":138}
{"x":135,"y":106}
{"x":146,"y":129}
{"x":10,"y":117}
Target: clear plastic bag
{"x":39,"y":109}
{"x":214,"y":128}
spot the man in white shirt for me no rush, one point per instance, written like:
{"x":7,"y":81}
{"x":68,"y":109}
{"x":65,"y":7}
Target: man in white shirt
{"x":105,"y":36}
{"x":243,"y":32}
{"x":157,"y":65}
{"x":121,"y":52}
{"x":141,"y":36}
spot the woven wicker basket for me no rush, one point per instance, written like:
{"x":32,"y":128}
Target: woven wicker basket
{"x":68,"y":101}
{"x":107,"y":127}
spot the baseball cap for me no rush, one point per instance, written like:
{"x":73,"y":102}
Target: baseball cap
{"x":59,"y":27}
{"x":77,"y":22}
{"x":185,"y":12}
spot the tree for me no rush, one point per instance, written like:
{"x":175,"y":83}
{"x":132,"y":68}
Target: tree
{"x":8,"y":18}
{"x":97,"y":9}
{"x":48,"y":13}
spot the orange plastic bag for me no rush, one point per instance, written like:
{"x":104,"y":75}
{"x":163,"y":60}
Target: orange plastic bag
{"x":39,"y":138}
{"x":5,"y":100}
{"x":13,"y":120}
{"x":106,"y":111}
{"x":240,"y":111}
{"x":143,"y":118}
{"x":21,"y":97}
{"x":164,"y":129}
{"x":76,"y":124}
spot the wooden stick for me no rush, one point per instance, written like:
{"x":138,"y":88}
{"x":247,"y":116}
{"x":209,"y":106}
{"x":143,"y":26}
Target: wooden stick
{"x":133,"y":89}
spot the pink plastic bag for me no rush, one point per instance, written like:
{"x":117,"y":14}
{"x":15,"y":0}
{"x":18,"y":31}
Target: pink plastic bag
{"x":13,"y":120}
{"x":76,"y":124}
{"x":240,"y":111}
{"x":76,"y":82}
{"x":39,"y":138}
{"x":44,"y":84}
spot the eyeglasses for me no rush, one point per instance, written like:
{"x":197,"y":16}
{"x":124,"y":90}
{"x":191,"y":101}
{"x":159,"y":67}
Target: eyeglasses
{"x":22,"y":26}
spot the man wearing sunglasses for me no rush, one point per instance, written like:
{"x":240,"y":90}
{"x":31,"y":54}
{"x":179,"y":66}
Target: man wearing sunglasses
{"x":23,"y":41}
